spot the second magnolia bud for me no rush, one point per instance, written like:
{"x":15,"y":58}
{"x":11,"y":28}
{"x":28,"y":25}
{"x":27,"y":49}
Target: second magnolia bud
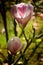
{"x":15,"y":45}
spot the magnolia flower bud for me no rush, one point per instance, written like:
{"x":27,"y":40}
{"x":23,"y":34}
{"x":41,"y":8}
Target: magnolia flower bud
{"x":5,"y":63}
{"x":41,"y":59}
{"x":40,"y":15}
{"x":22,"y":13}
{"x":35,"y":26}
{"x":15,"y":45}
{"x":3,"y":31}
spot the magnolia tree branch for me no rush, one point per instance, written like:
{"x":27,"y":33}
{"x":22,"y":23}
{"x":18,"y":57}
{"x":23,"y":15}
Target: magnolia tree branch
{"x":15,"y":24}
{"x":31,"y":55}
{"x":34,"y":50}
{"x":3,"y":57}
{"x":35,"y":3}
{"x":25,"y":36}
{"x":37,"y":37}
{"x":28,"y":44}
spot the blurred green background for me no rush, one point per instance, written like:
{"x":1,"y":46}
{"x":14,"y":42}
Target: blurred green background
{"x":28,"y":32}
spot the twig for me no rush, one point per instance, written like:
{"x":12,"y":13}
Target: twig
{"x":34,"y":51}
{"x":28,"y":44}
{"x":37,"y":37}
{"x":3,"y":56}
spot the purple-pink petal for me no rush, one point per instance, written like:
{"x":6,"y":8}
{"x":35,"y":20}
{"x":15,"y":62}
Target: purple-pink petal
{"x":22,"y":10}
{"x":22,"y":13}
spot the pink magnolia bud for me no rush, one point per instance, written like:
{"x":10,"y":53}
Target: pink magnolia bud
{"x":22,"y":13}
{"x":40,"y":15}
{"x":5,"y":63}
{"x":15,"y":45}
{"x":3,"y":30}
{"x":35,"y":25}
{"x":41,"y":59}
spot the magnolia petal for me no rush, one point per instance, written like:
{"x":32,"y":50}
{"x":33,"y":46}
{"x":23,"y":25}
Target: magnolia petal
{"x":14,"y":10}
{"x":24,"y":21}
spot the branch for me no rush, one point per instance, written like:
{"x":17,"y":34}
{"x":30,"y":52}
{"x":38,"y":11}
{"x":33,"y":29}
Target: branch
{"x":28,"y":44}
{"x":37,"y":37}
{"x":34,"y":51}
